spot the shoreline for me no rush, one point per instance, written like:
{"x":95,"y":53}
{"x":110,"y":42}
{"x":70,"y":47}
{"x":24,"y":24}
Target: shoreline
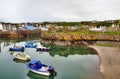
{"x":109,"y":61}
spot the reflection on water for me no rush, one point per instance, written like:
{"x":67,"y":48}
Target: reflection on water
{"x":3,"y":44}
{"x":19,"y":61}
{"x":69,"y":50}
{"x":37,"y":76}
{"x":69,"y":62}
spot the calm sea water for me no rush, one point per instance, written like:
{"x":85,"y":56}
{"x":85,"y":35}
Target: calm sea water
{"x":73,"y":65}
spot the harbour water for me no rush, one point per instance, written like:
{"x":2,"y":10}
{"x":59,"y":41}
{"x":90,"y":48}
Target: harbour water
{"x":69,"y":63}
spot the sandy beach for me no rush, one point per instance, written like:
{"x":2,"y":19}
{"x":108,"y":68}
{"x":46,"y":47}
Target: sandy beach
{"x":109,"y":61}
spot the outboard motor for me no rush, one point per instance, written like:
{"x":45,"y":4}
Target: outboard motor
{"x":23,"y":48}
{"x":52,"y":71}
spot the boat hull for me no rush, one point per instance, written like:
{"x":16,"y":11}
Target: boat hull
{"x":42,"y":49}
{"x":24,"y":59}
{"x":16,"y":49}
{"x":33,"y":75}
{"x":30,"y":46}
{"x":20,"y":57}
{"x":46,"y":73}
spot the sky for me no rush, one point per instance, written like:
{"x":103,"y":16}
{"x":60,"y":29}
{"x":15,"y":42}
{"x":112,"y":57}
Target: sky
{"x":58,"y":10}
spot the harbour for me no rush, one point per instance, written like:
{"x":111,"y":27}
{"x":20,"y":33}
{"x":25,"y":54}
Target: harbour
{"x":73,"y":65}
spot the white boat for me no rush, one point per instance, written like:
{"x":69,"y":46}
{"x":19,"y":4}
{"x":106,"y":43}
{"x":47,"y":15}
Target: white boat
{"x":43,"y":48}
{"x":37,"y":67}
{"x":42,"y":73}
{"x":21,"y":56}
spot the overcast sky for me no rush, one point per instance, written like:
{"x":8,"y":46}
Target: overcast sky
{"x":58,"y":10}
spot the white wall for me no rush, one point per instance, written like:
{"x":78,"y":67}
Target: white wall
{"x":1,"y":27}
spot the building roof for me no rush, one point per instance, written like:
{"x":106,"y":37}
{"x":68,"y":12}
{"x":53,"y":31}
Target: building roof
{"x":28,"y":27}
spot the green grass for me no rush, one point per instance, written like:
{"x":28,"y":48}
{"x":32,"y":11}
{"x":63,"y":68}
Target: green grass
{"x":86,"y":32}
{"x":106,"y":44}
{"x":112,"y":33}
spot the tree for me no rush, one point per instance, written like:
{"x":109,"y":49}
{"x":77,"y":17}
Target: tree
{"x":17,"y":26}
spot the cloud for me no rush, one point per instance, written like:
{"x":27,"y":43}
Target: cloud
{"x":58,"y":10}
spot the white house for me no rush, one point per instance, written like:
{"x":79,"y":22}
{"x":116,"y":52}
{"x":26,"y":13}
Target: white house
{"x":97,"y":28}
{"x":1,"y":27}
{"x":8,"y":27}
{"x":43,"y":28}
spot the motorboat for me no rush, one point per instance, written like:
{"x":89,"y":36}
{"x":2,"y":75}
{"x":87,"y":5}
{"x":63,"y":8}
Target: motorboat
{"x":16,"y":48}
{"x":30,"y":45}
{"x":21,"y":56}
{"x":43,"y":48}
{"x":37,"y":67}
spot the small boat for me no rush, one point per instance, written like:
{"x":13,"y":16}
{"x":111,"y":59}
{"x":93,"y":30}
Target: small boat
{"x":37,"y":67}
{"x":43,"y":48}
{"x":30,"y":45}
{"x":21,"y":56}
{"x":16,"y":48}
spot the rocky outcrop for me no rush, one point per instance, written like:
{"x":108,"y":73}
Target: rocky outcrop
{"x":76,"y":39}
{"x":81,"y":37}
{"x":63,"y":43}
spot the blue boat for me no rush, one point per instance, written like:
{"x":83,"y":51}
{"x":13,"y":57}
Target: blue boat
{"x":16,"y":48}
{"x":37,"y":67}
{"x":30,"y":44}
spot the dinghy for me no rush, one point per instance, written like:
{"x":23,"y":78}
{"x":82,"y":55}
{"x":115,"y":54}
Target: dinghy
{"x":16,"y":48}
{"x":43,"y":48}
{"x":30,"y":45}
{"x":37,"y":67}
{"x":21,"y":56}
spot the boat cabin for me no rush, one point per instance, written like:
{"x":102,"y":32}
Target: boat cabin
{"x":35,"y":64}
